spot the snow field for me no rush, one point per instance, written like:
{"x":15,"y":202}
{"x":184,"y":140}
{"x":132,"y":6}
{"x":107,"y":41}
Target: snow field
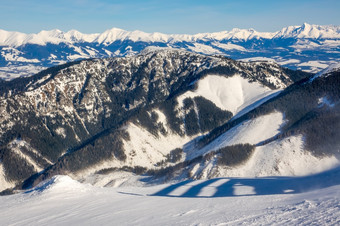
{"x":205,"y":49}
{"x":250,"y":131}
{"x":113,"y":179}
{"x":285,"y":157}
{"x":229,"y":46}
{"x":232,"y":93}
{"x":62,"y":201}
{"x":146,"y":149}
{"x":4,"y":184}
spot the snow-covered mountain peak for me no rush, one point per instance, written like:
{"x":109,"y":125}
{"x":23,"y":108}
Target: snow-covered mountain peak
{"x":310,"y":31}
{"x":109,"y":36}
{"x":114,"y":34}
{"x":53,"y":33}
{"x":76,"y":36}
{"x":43,"y":37}
{"x":11,"y":38}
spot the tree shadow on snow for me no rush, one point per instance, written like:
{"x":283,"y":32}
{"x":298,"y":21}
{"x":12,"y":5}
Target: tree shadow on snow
{"x":228,"y":187}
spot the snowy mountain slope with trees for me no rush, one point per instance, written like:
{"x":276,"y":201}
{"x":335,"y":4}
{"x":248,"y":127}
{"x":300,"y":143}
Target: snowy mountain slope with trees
{"x":161,"y":114}
{"x":125,"y":107}
{"x":170,"y":136}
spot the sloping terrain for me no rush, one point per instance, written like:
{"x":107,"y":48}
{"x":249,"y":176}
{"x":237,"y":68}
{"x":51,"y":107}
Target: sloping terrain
{"x":233,"y":201}
{"x":134,"y":113}
{"x":167,"y":115}
{"x":294,"y":133}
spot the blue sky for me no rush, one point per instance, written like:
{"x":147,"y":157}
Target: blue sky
{"x":173,"y":16}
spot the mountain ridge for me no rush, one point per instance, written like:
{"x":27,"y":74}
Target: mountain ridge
{"x":109,"y":36}
{"x":307,"y":47}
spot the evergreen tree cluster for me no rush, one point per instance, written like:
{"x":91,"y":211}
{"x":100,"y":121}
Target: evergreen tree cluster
{"x":235,"y":154}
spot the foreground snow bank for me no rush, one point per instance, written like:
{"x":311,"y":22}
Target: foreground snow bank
{"x":60,"y":184}
{"x":236,"y":201}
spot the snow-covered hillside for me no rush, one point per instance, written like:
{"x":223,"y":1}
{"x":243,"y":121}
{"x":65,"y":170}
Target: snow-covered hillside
{"x":232,"y":201}
{"x":168,"y":115}
{"x":168,"y":137}
{"x":136,"y":107}
{"x":232,"y":94}
{"x":307,"y":47}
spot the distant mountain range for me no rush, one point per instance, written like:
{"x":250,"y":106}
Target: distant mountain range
{"x":307,"y":47}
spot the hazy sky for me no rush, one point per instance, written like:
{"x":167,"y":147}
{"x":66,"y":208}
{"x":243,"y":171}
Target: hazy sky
{"x":173,"y":16}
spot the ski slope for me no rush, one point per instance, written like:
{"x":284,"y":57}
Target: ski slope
{"x":220,"y":201}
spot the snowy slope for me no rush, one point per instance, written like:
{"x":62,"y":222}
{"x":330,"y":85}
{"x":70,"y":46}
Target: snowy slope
{"x":58,"y":95}
{"x":251,"y":131}
{"x":145,"y":149}
{"x":8,"y":38}
{"x":286,"y":157}
{"x":232,"y":94}
{"x":309,"y":31}
{"x":4,"y":184}
{"x":220,"y":201}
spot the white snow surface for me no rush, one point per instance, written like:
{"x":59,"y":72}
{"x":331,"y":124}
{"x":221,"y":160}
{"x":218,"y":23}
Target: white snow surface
{"x":284,"y":157}
{"x":310,"y":31}
{"x":232,"y":93}
{"x":291,"y":61}
{"x":205,"y":49}
{"x":13,"y":71}
{"x":146,"y":149}
{"x":220,"y":201}
{"x":229,"y":46}
{"x":4,"y":184}
{"x":251,"y":131}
